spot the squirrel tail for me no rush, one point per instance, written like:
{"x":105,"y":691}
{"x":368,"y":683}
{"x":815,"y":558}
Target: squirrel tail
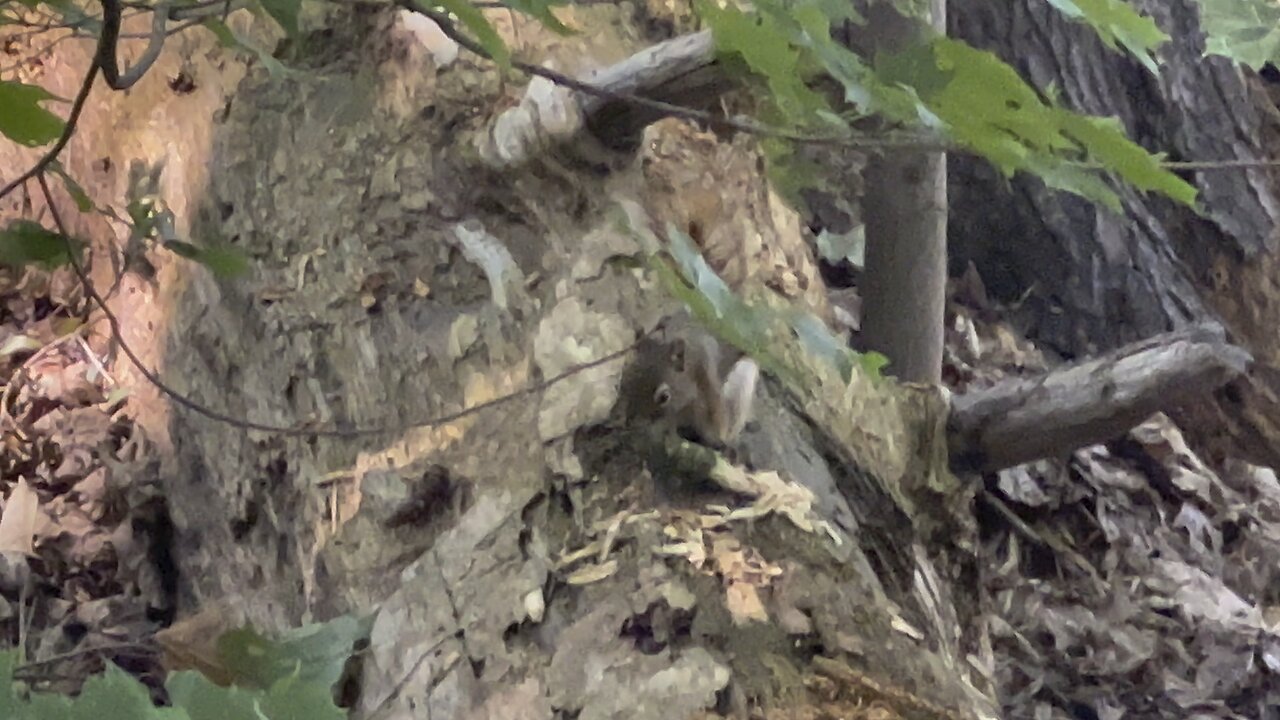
{"x":739,"y":394}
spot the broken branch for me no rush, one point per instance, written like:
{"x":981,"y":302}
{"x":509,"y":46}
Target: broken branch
{"x":1025,"y":419}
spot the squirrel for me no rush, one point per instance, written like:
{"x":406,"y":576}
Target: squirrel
{"x":683,"y":381}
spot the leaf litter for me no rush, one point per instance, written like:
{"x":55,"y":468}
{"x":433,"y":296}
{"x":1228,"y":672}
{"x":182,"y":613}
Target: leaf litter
{"x":77,"y":522}
{"x":1149,"y":589}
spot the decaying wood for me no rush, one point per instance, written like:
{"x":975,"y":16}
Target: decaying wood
{"x":1029,"y":418}
{"x":679,"y":71}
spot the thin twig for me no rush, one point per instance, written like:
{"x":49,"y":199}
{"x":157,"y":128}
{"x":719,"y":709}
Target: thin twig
{"x":926,"y":144}
{"x":106,"y":54}
{"x":28,"y":669}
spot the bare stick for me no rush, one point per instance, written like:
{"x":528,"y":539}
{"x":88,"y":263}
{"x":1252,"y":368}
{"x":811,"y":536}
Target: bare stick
{"x":1021,"y":420}
{"x":106,"y":54}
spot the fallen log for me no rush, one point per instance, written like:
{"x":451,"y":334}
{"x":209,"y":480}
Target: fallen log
{"x":1024,"y":419}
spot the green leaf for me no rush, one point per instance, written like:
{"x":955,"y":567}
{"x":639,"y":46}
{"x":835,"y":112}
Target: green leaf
{"x":475,"y":21}
{"x":303,"y":693}
{"x":200,"y":699}
{"x":115,"y":695}
{"x":873,"y":363}
{"x":985,"y":106}
{"x":818,"y":341}
{"x":541,"y":10}
{"x":293,"y":699}
{"x":1105,"y":141}
{"x":74,"y":15}
{"x":24,"y":242}
{"x":8,"y":703}
{"x":966,"y":96}
{"x":722,"y":301}
{"x":711,"y":302}
{"x":789,"y":172}
{"x":315,"y":653}
{"x":761,"y":42}
{"x":46,"y":706}
{"x":22,"y":120}
{"x":808,"y":25}
{"x":81,"y":198}
{"x":1116,"y":22}
{"x":1247,"y":31}
{"x":284,"y":12}
{"x":225,"y":261}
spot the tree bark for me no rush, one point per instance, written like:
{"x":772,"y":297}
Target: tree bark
{"x":1025,"y":419}
{"x":905,"y":211}
{"x":1091,"y":280}
{"x":528,"y":555}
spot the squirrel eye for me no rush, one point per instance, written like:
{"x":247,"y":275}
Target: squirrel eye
{"x":663,"y":395}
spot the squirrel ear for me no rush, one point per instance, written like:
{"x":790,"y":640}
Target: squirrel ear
{"x":739,"y":394}
{"x":678,"y":354}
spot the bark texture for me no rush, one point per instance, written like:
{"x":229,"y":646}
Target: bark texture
{"x":1089,"y":402}
{"x":905,"y":208}
{"x":1093,"y":280}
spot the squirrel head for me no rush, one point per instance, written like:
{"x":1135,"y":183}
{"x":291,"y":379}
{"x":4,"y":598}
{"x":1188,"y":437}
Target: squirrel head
{"x":679,"y":381}
{"x":654,"y":385}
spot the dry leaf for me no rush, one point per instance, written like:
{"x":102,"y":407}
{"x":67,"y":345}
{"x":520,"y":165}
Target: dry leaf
{"x":18,"y":520}
{"x":192,"y":643}
{"x":593,"y":573}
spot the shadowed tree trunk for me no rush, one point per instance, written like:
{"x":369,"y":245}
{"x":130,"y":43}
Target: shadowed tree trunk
{"x":1093,"y":280}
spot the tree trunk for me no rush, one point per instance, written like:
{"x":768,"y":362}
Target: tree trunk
{"x":905,"y":210}
{"x":1092,"y":280}
{"x":529,"y":555}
